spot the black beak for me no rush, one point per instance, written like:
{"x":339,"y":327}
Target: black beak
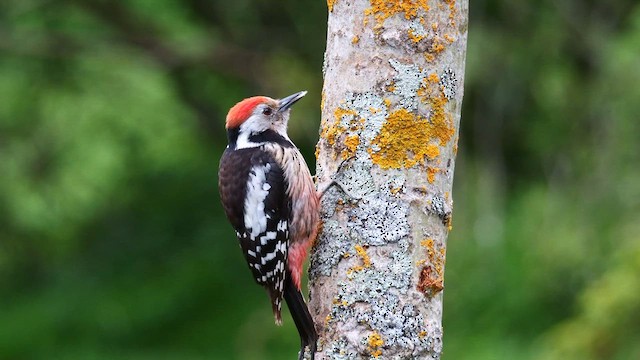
{"x":286,"y":103}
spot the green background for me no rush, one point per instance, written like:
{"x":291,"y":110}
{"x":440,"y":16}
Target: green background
{"x":112,"y":240}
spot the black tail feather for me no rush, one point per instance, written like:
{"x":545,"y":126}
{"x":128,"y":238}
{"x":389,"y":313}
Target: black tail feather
{"x":301,"y":317}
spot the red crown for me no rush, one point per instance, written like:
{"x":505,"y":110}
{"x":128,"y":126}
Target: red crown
{"x":242,"y":110}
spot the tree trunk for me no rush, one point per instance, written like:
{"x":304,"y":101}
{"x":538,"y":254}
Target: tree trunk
{"x":391,"y":104}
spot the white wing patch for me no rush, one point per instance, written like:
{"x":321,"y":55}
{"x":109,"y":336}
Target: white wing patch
{"x":270,"y":235}
{"x":255,"y":218}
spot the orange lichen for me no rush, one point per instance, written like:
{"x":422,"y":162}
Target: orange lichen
{"x":375,"y":342}
{"x":452,"y":11}
{"x":442,"y":124}
{"x":436,"y":46}
{"x":431,"y":279}
{"x":455,"y":146}
{"x":333,"y":131}
{"x":383,"y":9}
{"x":449,"y":38}
{"x":330,"y":4}
{"x":433,"y":78}
{"x":415,"y":37}
{"x":355,"y":125}
{"x":431,"y":174}
{"x":339,"y":113}
{"x":440,"y":119}
{"x":433,"y":151}
{"x":391,"y":87}
{"x":424,"y":91}
{"x":401,"y":140}
{"x":428,"y":243}
{"x":404,"y":140}
{"x":353,"y":269}
{"x":429,"y":57}
{"x":366,"y":261}
{"x":351,"y":143}
{"x":355,"y":39}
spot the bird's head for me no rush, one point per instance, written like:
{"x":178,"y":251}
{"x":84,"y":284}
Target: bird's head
{"x":259,"y":114}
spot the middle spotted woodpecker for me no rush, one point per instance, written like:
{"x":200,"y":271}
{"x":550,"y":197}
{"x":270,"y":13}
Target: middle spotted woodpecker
{"x":270,"y":199}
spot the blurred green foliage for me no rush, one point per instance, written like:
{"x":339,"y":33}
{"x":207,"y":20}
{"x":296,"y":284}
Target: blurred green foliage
{"x":112,"y":240}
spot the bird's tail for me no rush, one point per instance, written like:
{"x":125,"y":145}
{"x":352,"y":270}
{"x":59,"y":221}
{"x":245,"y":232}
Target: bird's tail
{"x":301,"y":317}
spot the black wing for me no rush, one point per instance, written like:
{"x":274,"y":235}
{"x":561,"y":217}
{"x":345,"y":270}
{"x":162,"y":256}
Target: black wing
{"x":252,"y":189}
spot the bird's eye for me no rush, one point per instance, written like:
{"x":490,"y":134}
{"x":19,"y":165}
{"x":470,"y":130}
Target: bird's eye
{"x":267,"y":111}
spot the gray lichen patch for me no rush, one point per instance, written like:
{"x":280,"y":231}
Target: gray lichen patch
{"x":332,"y":245}
{"x":439,"y":206}
{"x":379,"y":220}
{"x":448,"y":84}
{"x":408,"y":80}
{"x":339,"y":350}
{"x":356,"y":180}
{"x":404,"y":327}
{"x":373,"y":297}
{"x":370,"y":107}
{"x":417,"y":37}
{"x":395,"y":183}
{"x":373,"y":220}
{"x":373,"y":286}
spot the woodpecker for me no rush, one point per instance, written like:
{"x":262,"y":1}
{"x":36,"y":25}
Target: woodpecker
{"x":270,"y":199}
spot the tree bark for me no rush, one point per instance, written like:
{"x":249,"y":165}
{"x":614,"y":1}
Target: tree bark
{"x":391,"y":105}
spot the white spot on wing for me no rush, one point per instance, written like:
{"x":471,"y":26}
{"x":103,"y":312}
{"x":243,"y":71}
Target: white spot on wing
{"x":268,"y":257}
{"x":255,"y":218}
{"x":270,"y":235}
